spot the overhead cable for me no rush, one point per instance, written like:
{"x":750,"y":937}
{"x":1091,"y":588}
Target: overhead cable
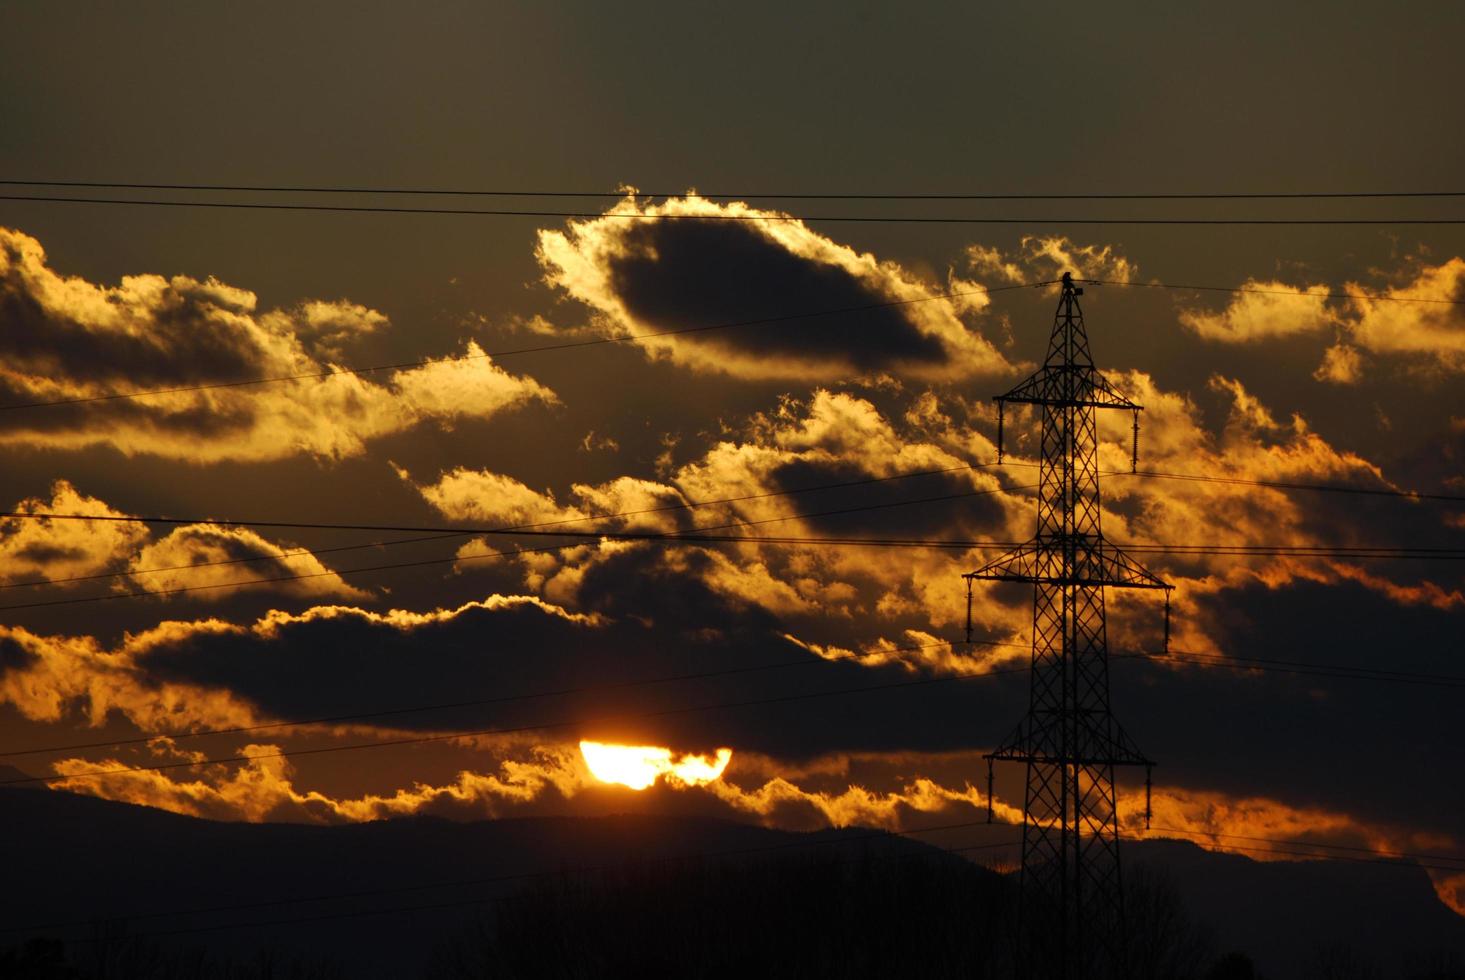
{"x":760,"y":195}
{"x":649,"y":216}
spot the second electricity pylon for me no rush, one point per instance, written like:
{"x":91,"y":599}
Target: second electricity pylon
{"x":1072,"y":911}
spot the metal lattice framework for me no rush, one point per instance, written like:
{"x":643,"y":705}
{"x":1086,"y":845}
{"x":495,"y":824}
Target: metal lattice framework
{"x":1072,"y":913}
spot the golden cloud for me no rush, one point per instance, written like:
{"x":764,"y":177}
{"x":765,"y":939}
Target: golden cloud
{"x":923,"y":652}
{"x":1341,"y":365}
{"x":328,"y":327}
{"x":1432,"y":330}
{"x":742,"y":263}
{"x":1271,"y":309}
{"x":492,"y":498}
{"x":834,"y":436}
{"x":216,"y":561}
{"x":1044,"y":257}
{"x":263,"y":788}
{"x":46,"y":676}
{"x":1421,"y":317}
{"x":41,"y":550}
{"x":67,"y":339}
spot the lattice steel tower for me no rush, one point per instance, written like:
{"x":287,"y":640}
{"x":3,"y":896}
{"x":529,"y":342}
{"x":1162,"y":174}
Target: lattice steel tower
{"x":1071,"y":918}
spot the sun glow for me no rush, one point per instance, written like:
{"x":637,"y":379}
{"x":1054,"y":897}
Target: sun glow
{"x":638,"y":766}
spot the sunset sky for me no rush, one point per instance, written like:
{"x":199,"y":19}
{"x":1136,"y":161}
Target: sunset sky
{"x":1290,"y":381}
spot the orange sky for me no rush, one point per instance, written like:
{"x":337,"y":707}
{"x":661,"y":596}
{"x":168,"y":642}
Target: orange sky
{"x":796,"y":426}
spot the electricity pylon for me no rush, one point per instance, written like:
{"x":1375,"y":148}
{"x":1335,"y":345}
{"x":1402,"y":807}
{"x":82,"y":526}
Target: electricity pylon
{"x":1071,"y":916}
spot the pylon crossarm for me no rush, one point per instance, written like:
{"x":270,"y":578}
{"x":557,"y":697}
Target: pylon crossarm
{"x":1094,"y":564}
{"x":1087,"y":582}
{"x":1124,"y":572}
{"x":1021,"y":562}
{"x":1105,"y":394}
{"x":1014,"y":746}
{"x":1107,"y":743}
{"x":1122,"y":749}
{"x":1058,"y":386}
{"x":1060,"y":760}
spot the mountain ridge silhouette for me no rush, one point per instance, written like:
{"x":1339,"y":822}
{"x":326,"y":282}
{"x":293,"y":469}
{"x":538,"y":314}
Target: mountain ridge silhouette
{"x":107,"y":867}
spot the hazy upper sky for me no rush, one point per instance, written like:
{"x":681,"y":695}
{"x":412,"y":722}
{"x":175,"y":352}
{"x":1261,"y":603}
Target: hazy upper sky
{"x":738,"y":101}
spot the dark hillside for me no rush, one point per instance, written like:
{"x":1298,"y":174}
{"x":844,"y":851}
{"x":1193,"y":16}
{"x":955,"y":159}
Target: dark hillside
{"x":121,"y":891}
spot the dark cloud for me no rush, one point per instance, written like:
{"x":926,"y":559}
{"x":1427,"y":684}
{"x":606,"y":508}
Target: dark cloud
{"x":41,"y":554}
{"x":890,"y":511}
{"x":1376,"y":749}
{"x":678,"y":274}
{"x":346,"y":661}
{"x":186,"y":339}
{"x":14,"y":656}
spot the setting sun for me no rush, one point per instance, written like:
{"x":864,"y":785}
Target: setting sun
{"x":638,"y":766}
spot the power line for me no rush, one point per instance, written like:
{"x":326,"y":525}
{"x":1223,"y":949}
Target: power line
{"x":1398,"y":553}
{"x":545,"y":527}
{"x":301,"y":576}
{"x":693,"y":537}
{"x":688,"y":537}
{"x":1290,"y":485}
{"x":282,"y":556}
{"x":1299,"y":667}
{"x":700,"y":535}
{"x":878,"y":196}
{"x":1300,"y":551}
{"x":704,"y":535}
{"x":1270,"y":484}
{"x":1385,"y":860}
{"x":1328,"y":847}
{"x":445,"y":534}
{"x":643,"y":216}
{"x":1305,"y":293}
{"x":696,"y":535}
